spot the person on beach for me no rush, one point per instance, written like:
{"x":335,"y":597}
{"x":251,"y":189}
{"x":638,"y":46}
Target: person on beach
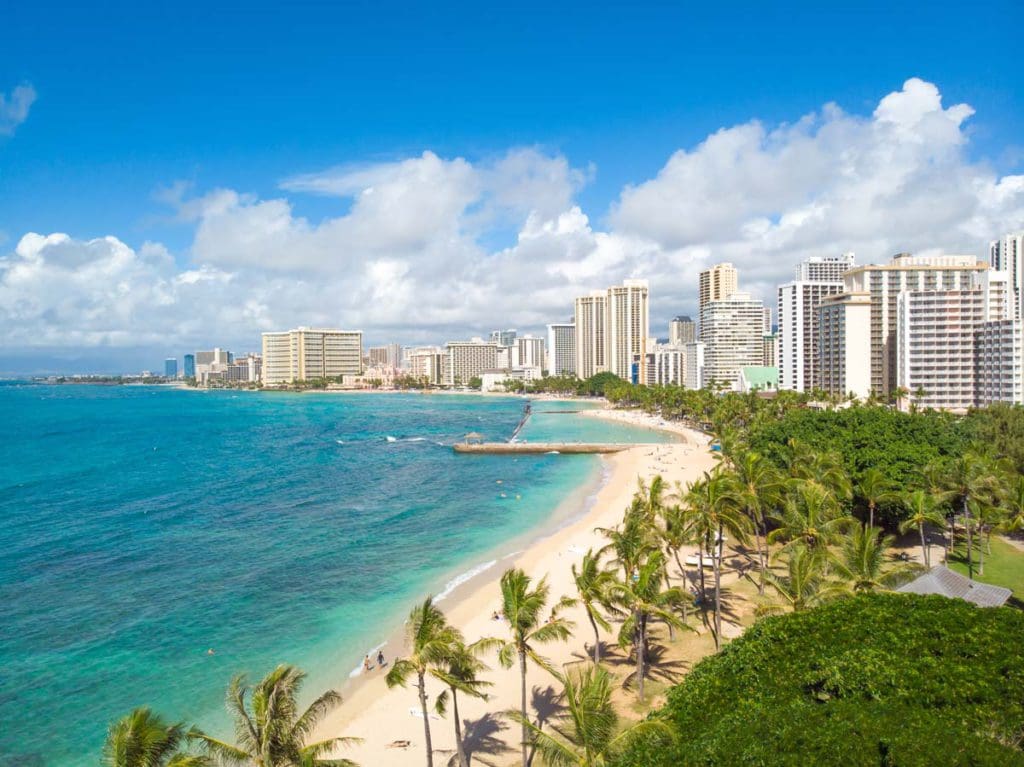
{"x":367,"y":665}
{"x":380,"y":659}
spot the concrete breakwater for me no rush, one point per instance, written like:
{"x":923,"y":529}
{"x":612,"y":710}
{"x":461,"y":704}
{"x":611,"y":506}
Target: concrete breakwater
{"x":570,"y":448}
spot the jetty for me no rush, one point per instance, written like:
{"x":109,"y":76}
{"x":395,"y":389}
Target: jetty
{"x":565,"y":448}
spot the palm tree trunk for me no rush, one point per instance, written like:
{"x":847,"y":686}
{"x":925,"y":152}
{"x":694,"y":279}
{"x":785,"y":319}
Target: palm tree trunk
{"x":459,"y":750}
{"x":871,"y":514}
{"x":924,"y":549}
{"x":686,"y":582}
{"x":597,"y":639}
{"x":671,"y":634}
{"x":970,"y":540}
{"x":426,"y":722}
{"x":641,"y":641}
{"x":760,"y":558}
{"x":522,"y":670}
{"x":981,"y":550}
{"x":717,"y":562}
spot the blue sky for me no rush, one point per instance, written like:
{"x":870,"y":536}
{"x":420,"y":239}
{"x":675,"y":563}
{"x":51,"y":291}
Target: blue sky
{"x":131,"y":101}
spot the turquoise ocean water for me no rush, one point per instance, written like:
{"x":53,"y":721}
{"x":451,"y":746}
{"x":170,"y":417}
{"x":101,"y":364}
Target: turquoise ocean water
{"x":142,"y":526}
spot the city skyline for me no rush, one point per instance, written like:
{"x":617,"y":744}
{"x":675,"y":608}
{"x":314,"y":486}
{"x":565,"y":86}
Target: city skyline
{"x":442,"y":202}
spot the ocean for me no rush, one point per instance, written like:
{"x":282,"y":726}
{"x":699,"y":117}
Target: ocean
{"x":143,"y":527}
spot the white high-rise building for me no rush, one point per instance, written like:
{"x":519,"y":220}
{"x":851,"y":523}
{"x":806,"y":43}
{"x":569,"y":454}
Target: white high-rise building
{"x":465,"y":360}
{"x":717,"y":283}
{"x":885,"y":283}
{"x":797,"y":356}
{"x":1007,"y":255}
{"x":665,"y":365}
{"x":628,"y":326}
{"x":307,"y":354}
{"x":426,"y":363}
{"x":694,"y":362}
{"x":955,"y":346}
{"x":561,"y":348}
{"x":529,"y":352}
{"x":732,"y":330}
{"x":681,"y":331}
{"x":844,"y":345}
{"x":591,"y":335}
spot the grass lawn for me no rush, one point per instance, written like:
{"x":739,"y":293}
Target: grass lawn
{"x":1003,"y":567}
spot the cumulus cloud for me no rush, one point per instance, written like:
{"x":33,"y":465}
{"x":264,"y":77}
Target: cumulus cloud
{"x":14,"y":108}
{"x":409,"y":255}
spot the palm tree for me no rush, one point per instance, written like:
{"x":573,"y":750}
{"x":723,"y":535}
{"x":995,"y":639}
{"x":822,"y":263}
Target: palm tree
{"x":643,"y":597}
{"x":460,"y":674}
{"x":714,"y":509}
{"x":592,"y":584}
{"x":588,"y":733}
{"x":523,"y":608}
{"x":970,"y":478}
{"x":805,"y":584}
{"x":269,"y":729}
{"x":432,"y":644}
{"x":811,"y":515}
{"x":1013,"y":503}
{"x":863,"y":563}
{"x":874,"y":488}
{"x":143,"y":739}
{"x":761,"y":488}
{"x":924,"y":510}
{"x":630,"y":542}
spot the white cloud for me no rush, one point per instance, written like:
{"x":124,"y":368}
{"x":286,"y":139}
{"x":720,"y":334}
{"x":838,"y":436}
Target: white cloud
{"x":409,"y":256}
{"x":14,"y":108}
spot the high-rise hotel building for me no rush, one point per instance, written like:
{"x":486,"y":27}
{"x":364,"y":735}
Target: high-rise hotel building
{"x":732,"y":330}
{"x":628,"y":328}
{"x":306,"y":354}
{"x":798,"y":356}
{"x":562,"y":348}
{"x":883,"y":284}
{"x":1007,"y":255}
{"x":466,"y":360}
{"x":611,"y":331}
{"x":591,"y":336}
{"x":717,"y":283}
{"x":959,"y":348}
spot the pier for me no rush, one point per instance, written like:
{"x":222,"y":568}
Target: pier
{"x":567,"y":448}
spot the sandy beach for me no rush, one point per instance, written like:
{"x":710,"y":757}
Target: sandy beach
{"x":383,"y":717}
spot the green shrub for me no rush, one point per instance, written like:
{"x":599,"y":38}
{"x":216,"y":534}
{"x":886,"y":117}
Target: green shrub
{"x":882,"y":679}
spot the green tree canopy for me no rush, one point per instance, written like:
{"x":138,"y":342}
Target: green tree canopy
{"x":875,"y":679}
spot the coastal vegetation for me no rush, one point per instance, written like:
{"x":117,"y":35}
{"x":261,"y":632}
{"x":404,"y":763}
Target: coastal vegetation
{"x":802,"y":509}
{"x":877,"y":679}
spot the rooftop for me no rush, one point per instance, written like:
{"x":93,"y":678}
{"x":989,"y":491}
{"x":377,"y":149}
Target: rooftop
{"x":944,"y":582}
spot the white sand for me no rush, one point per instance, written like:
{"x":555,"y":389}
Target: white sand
{"x":380,"y":716}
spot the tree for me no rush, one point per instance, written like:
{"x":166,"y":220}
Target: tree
{"x":811,"y":515}
{"x":1013,"y":502}
{"x":874,"y":489}
{"x":713,"y":508}
{"x":924,"y":510}
{"x":143,"y":739}
{"x":460,"y":674}
{"x":432,"y":644}
{"x":523,"y":608}
{"x":269,"y":730}
{"x":587,"y":733}
{"x":970,"y":479}
{"x":760,"y":488}
{"x":592,"y":585}
{"x":864,"y":564}
{"x":643,"y":597}
{"x":805,"y":584}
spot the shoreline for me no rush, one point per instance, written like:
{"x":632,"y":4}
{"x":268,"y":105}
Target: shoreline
{"x":381,"y":716}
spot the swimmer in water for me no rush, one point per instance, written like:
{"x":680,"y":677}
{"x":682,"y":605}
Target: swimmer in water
{"x":210,"y":652}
